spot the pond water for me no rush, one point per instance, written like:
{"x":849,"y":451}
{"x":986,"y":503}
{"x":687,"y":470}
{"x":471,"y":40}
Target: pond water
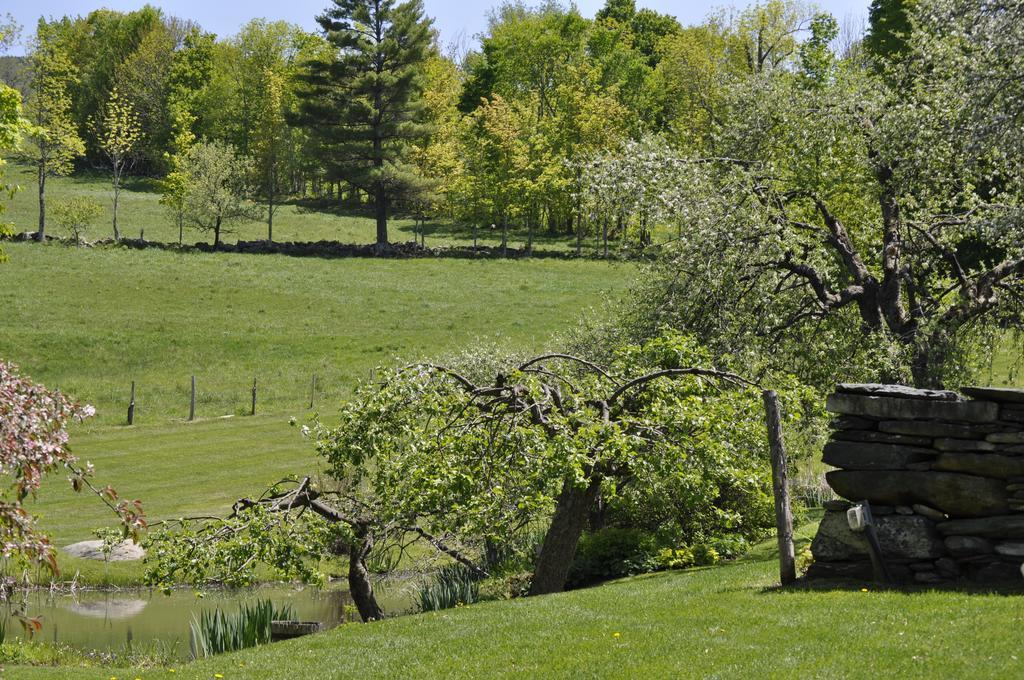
{"x":108,"y":621}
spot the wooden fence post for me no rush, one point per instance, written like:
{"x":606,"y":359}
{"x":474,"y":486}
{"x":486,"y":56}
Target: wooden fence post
{"x":312,"y":391}
{"x":192,"y":401}
{"x":253,"y":396}
{"x":131,"y":406}
{"x":780,"y":487}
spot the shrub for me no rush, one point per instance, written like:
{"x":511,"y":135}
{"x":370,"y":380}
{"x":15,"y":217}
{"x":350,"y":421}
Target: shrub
{"x":76,"y":214}
{"x":704,"y":555}
{"x":610,"y":553}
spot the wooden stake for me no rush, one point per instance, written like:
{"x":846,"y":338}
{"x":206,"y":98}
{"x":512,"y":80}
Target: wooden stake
{"x":780,"y":487}
{"x":131,"y":406}
{"x":253,"y":397}
{"x":192,"y":401}
{"x":312,"y":392}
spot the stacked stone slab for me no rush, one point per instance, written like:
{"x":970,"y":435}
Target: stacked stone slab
{"x":944,"y":474}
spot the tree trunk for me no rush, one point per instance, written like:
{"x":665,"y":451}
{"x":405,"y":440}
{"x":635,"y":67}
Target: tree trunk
{"x":381,"y":209}
{"x":41,"y":234}
{"x":270,"y":220}
{"x":181,"y":228}
{"x":216,"y":234}
{"x":117,"y":194}
{"x":359,"y":584}
{"x":559,"y":548}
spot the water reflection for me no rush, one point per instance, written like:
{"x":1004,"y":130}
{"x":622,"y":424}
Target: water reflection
{"x":107,"y":621}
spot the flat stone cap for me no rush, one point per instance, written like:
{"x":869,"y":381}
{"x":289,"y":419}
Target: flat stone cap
{"x":1012,"y":395}
{"x":897,"y":392}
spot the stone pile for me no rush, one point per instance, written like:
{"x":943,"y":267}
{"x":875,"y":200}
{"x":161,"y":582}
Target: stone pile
{"x":944,"y":475}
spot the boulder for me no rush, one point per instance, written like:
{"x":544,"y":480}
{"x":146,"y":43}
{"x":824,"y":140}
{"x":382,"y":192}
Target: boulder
{"x":1005,"y":526}
{"x":902,"y":537}
{"x":946,"y":444}
{"x":1000,"y":394}
{"x":928,"y":577}
{"x":837,"y":505}
{"x":957,"y":495}
{"x":879,"y":437}
{"x":868,"y":456}
{"x":892,"y":408}
{"x":125,"y":551}
{"x":896,"y":391}
{"x":964,"y":546}
{"x":860,"y":570}
{"x":983,"y":464}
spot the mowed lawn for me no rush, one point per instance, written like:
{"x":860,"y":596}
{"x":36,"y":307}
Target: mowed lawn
{"x":722,"y":622}
{"x":91,"y":321}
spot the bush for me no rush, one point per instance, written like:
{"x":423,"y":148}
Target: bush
{"x":612,"y":553}
{"x":75,"y":215}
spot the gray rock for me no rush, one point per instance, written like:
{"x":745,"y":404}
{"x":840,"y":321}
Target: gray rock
{"x":928,"y":428}
{"x":1012,"y":449}
{"x":919,"y":466}
{"x":901,"y":537}
{"x":957,"y":495}
{"x":891,"y":408}
{"x":1006,"y":438}
{"x":1010,"y":549}
{"x":880,"y":510}
{"x":1015,"y":487}
{"x":866,"y":456}
{"x":963,"y":546}
{"x":837,"y":505}
{"x":1013,"y":414}
{"x":879,"y":438}
{"x":853,"y":423}
{"x":125,"y":551}
{"x":928,"y":577}
{"x":859,"y":570}
{"x":947,"y":567}
{"x":904,"y":510}
{"x":945,"y":444}
{"x":930,"y":513}
{"x":1005,"y":526}
{"x":1000,"y":394}
{"x":983,"y":464}
{"x":922,"y":566}
{"x":896,"y":391}
{"x":994,"y":572}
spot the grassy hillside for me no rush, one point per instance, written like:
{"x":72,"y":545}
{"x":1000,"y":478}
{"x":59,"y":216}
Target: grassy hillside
{"x":722,"y":622}
{"x":92,"y":321}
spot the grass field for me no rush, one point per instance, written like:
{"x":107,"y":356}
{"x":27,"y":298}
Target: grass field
{"x":140,"y":213}
{"x":721,"y":622}
{"x":92,"y":320}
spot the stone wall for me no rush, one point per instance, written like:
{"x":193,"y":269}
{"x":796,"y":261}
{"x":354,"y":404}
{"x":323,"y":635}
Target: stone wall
{"x":944,"y":474}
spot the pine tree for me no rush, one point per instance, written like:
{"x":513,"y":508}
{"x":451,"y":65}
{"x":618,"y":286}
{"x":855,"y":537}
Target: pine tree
{"x":366,"y":105}
{"x":889,"y":28}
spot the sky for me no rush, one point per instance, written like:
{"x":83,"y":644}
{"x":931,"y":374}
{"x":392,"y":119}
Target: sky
{"x":458,"y":20}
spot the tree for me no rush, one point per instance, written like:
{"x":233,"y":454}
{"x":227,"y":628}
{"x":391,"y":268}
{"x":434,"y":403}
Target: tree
{"x":367,"y":105}
{"x":52,"y":141}
{"x":11,"y":126}
{"x":216,"y":193}
{"x":865,"y":226}
{"x":34,"y":444}
{"x":118,"y":133}
{"x":76,"y":214}
{"x":464,"y":459}
{"x":270,"y":144}
{"x":889,"y":28}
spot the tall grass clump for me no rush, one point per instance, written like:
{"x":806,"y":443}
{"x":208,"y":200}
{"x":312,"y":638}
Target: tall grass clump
{"x":215,"y":632}
{"x":451,"y":586}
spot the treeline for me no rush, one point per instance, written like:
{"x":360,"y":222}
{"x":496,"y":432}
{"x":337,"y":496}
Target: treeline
{"x":537,"y":130}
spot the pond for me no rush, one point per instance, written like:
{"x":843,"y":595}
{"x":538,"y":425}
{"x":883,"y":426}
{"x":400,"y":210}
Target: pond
{"x":109,"y":621}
